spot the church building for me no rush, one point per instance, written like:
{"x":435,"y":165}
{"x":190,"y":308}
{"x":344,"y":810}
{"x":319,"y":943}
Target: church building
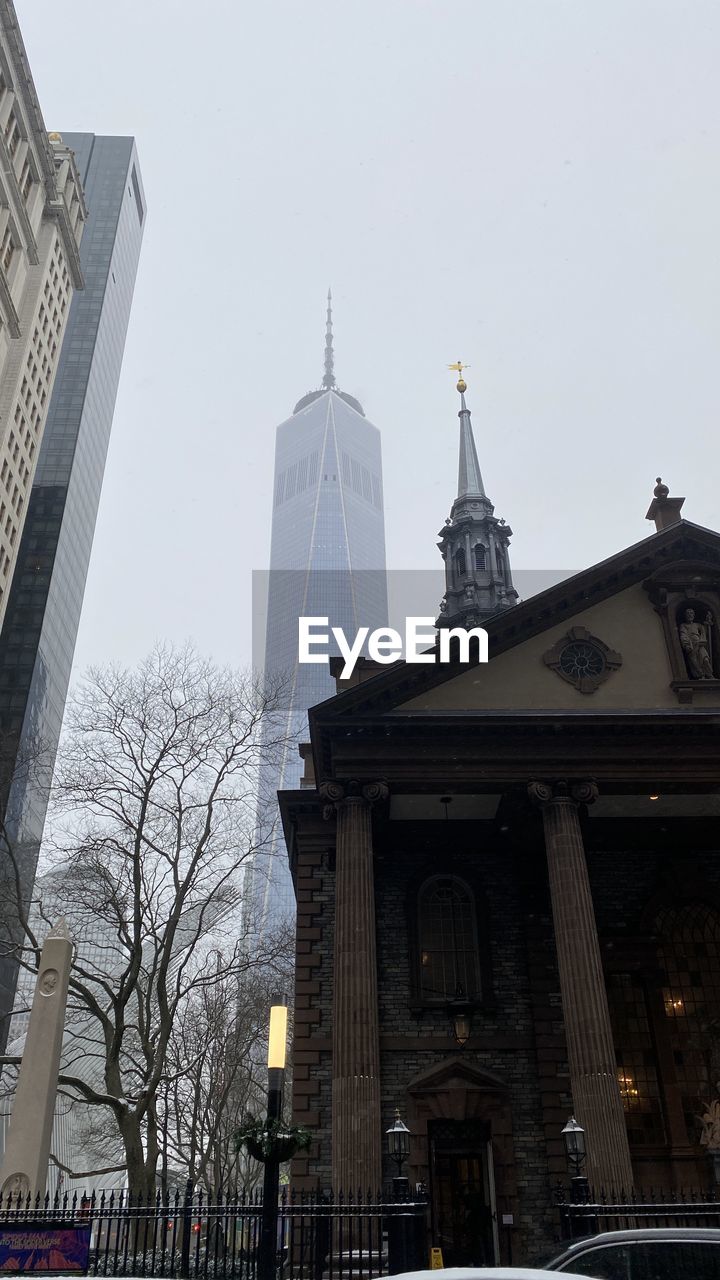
{"x":508,"y":890}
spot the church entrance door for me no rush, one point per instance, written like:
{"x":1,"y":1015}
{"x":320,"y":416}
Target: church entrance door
{"x":463,"y":1193}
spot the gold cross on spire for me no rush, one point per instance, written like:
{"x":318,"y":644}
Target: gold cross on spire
{"x":458,"y":369}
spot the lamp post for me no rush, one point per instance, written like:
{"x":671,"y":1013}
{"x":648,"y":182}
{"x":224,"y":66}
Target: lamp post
{"x":398,"y":1140}
{"x":277,"y":1051}
{"x":402,"y":1252}
{"x":574,"y":1139}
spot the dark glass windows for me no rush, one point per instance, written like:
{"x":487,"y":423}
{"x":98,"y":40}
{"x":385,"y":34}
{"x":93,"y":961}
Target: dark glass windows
{"x":689,"y":950}
{"x":447,"y":934}
{"x":637,"y":1075}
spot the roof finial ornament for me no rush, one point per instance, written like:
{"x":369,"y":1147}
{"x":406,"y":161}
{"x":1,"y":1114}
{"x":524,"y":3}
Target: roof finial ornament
{"x":469,"y":477}
{"x":458,"y":369}
{"x":329,"y":376}
{"x":664,"y":510}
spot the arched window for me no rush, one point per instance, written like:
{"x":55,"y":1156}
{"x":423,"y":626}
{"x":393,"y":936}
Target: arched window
{"x":459,"y":564}
{"x":447,"y":934}
{"x":690,"y":957}
{"x":480,"y":556}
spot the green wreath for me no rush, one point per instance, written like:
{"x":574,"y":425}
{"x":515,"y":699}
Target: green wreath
{"x":272,"y":1140}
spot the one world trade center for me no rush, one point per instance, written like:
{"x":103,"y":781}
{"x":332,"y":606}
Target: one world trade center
{"x":327,"y":559}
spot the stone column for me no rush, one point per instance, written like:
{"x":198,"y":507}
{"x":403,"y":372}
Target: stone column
{"x":356,"y":1149}
{"x":591,"y":1050}
{"x":27,"y":1151}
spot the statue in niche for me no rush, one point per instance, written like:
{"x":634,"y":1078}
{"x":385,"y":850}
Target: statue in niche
{"x":696,"y":643}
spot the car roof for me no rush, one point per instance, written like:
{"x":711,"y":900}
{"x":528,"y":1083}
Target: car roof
{"x":485,"y":1273}
{"x":645,"y":1233}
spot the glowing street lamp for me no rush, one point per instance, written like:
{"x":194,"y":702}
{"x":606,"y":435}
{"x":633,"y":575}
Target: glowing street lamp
{"x":277,"y":1054}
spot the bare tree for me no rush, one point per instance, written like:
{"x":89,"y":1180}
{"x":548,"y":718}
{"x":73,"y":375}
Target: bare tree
{"x":154,"y":820}
{"x":216,"y":1076}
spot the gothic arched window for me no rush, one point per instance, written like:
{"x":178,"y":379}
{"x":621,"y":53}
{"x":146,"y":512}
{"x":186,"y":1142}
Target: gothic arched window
{"x":459,"y":563}
{"x":689,"y":949}
{"x":480,"y":557}
{"x":447,"y":935}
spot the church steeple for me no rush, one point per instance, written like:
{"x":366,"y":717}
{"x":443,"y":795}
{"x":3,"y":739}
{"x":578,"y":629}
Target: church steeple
{"x":470,"y":484}
{"x":474,"y":544}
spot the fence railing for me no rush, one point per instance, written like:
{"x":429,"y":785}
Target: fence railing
{"x":649,"y":1207}
{"x":216,"y":1237}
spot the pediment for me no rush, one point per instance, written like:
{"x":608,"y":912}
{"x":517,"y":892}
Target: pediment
{"x":611,"y":603}
{"x":616,"y":659}
{"x":455,"y":1072}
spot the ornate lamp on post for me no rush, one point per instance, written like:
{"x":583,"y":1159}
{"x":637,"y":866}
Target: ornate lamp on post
{"x":405,"y":1246}
{"x":574,"y":1138}
{"x":277,"y":1051}
{"x":398,"y":1140}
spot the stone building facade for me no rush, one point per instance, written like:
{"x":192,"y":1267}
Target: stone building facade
{"x":508,"y":887}
{"x":42,"y":215}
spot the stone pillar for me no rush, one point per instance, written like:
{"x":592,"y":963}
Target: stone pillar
{"x":27,"y":1151}
{"x":356,"y":1121}
{"x":591,"y":1050}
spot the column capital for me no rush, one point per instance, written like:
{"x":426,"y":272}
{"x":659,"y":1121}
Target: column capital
{"x":574,"y":791}
{"x":351,"y":792}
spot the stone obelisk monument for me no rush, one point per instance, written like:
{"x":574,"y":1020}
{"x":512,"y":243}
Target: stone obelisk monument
{"x":27,"y":1150}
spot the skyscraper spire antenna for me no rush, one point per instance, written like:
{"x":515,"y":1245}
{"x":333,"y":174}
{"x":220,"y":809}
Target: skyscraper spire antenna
{"x":329,"y":376}
{"x":328,"y":381}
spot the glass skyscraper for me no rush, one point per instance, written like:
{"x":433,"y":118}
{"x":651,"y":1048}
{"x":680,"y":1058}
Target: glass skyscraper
{"x":327,"y":559}
{"x":38,"y":637}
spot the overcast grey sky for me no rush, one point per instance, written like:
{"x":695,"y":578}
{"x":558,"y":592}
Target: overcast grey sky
{"x":533,"y":187}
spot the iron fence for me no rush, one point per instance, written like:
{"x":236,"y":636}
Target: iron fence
{"x":216,"y":1237}
{"x":649,"y":1207}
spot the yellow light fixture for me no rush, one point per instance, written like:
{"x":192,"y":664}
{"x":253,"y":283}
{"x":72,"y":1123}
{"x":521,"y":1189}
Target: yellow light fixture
{"x":277,"y":1040}
{"x":461,"y":1029}
{"x":654,"y":797}
{"x":627,"y":1086}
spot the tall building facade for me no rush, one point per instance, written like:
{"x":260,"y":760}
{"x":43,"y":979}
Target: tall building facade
{"x":327,"y":559}
{"x":42,"y":213}
{"x":45,"y":600}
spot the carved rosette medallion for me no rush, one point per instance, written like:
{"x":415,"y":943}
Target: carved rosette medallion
{"x":15,"y":1188}
{"x":582,"y":659}
{"x":48,"y":982}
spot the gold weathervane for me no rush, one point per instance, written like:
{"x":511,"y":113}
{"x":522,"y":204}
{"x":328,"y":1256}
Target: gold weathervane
{"x":458,"y":369}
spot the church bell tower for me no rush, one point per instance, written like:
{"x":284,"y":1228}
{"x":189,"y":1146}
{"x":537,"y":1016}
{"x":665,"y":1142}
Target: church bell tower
{"x":474,"y":544}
